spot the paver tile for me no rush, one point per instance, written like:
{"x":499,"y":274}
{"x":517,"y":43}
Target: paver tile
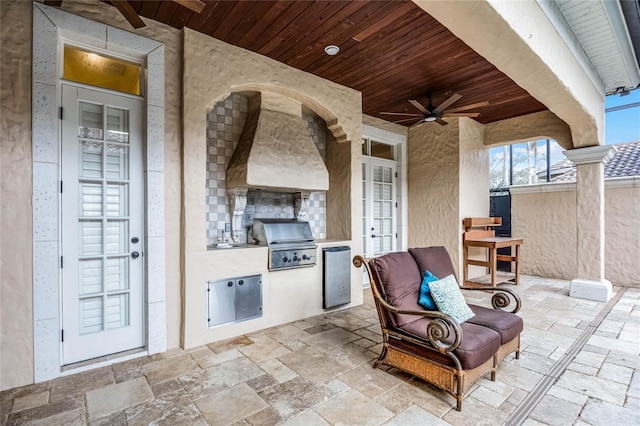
{"x":353,"y":408}
{"x":230,"y":405}
{"x":111,"y":399}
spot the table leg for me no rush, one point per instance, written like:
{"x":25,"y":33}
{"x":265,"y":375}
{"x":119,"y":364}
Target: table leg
{"x":493,"y":252}
{"x":465,"y":265}
{"x":517,"y":262}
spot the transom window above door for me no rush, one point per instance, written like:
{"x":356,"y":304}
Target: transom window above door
{"x":98,"y":70}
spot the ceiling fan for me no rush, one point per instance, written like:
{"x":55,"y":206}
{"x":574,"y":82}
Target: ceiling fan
{"x":431,"y":113}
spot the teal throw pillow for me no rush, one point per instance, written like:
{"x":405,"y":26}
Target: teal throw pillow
{"x":447,"y":295}
{"x":425,"y":299}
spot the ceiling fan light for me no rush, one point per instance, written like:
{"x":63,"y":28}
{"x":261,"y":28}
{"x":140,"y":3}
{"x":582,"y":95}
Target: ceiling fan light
{"x":430,"y":118}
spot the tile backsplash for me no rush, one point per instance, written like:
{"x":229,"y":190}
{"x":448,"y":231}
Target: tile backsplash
{"x":224,"y":127}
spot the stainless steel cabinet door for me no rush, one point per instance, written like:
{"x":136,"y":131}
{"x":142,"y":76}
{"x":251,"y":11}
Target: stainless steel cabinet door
{"x":222,"y":307}
{"x":248,"y":297}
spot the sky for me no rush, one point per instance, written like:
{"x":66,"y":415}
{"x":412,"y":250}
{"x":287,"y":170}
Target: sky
{"x":622,"y":126}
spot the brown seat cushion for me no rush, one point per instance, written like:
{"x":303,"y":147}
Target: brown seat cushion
{"x":400,"y":280}
{"x":477,"y":346}
{"x":508,"y":325}
{"x":434,"y":259}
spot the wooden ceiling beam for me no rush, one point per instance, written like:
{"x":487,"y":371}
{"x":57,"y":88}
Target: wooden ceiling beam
{"x":129,"y":13}
{"x":194,"y":5}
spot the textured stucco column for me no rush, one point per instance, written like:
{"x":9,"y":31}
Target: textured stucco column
{"x":448,"y":179}
{"x":590,"y":282}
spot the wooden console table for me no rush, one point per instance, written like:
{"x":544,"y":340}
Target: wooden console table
{"x":486,"y":238}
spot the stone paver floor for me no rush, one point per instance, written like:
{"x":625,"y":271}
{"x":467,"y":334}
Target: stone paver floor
{"x":318,"y":372}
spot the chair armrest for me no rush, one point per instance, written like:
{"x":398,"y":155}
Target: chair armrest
{"x":438,"y":328}
{"x":501,"y":298}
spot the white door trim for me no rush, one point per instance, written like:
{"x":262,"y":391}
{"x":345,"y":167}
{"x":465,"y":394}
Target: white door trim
{"x":50,"y":25}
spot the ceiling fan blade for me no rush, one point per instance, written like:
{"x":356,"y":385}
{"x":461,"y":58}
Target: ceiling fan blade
{"x":461,"y":114}
{"x":467,"y":107}
{"x":446,"y":103}
{"x":401,"y":113}
{"x":56,"y":3}
{"x":441,"y":122}
{"x":129,"y":13}
{"x":418,"y":105}
{"x":194,"y":5}
{"x":405,"y":119}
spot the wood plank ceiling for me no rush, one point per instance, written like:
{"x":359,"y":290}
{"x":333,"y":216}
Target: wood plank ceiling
{"x":391,"y":51}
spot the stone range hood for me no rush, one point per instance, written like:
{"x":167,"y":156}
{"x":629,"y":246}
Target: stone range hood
{"x":275,"y":153}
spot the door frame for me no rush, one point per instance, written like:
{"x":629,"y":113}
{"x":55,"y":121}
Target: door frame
{"x":51,"y":28}
{"x":400,"y":142}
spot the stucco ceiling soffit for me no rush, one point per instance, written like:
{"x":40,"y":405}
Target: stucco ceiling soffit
{"x":604,"y":37}
{"x":539,"y":125}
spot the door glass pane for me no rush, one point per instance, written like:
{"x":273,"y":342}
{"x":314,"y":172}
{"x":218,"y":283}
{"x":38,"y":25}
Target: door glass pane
{"x":377,"y":209}
{"x":91,"y":315}
{"x":117,"y":199}
{"x":90,"y":237}
{"x":117,"y":236}
{"x":117,"y":311}
{"x":90,"y":276}
{"x":117,"y":162}
{"x":386,"y":226}
{"x":386,"y":244}
{"x":117,"y":125}
{"x":377,"y":174}
{"x":386,"y":211}
{"x":91,"y":159}
{"x":386,"y":192}
{"x":387,"y":174}
{"x":90,"y":126}
{"x":90,"y":199}
{"x":377,"y":191}
{"x":118,"y":273}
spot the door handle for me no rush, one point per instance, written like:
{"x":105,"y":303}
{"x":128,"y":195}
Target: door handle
{"x":373,"y":235}
{"x":135,"y":255}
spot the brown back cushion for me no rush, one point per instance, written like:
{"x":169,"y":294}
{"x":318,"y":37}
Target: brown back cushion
{"x":400,"y":281}
{"x":434,"y":259}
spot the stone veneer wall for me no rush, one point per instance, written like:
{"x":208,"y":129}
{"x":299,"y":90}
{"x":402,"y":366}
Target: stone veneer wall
{"x":225,"y":123}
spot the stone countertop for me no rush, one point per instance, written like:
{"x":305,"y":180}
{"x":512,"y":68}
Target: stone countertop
{"x":320,"y":243}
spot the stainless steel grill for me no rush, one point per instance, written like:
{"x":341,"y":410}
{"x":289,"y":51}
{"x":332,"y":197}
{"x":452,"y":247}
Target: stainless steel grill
{"x":290,"y":242}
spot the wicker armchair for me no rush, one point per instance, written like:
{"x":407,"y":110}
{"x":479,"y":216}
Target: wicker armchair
{"x":430,"y":344}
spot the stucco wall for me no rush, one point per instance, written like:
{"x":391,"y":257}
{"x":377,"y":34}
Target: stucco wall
{"x":547,"y":222}
{"x":16,"y":303}
{"x":16,"y":297}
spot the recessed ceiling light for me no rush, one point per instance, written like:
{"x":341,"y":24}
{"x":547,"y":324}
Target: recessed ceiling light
{"x":331,"y":50}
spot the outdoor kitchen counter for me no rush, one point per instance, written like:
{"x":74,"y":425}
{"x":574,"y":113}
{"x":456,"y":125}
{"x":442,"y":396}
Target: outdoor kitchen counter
{"x":287,"y":295}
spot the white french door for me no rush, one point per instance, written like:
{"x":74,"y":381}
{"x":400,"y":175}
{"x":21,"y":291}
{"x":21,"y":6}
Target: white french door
{"x":102,"y":223}
{"x":379,"y":206}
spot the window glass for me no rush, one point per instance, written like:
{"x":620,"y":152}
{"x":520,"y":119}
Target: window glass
{"x":101,"y":71}
{"x":383,"y":150}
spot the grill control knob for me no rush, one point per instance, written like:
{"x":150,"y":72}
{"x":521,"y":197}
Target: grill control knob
{"x":285,"y":259}
{"x":305,"y":257}
{"x":295,"y":258}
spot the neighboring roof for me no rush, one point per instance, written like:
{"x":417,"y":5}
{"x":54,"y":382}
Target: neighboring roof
{"x":626,"y":162}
